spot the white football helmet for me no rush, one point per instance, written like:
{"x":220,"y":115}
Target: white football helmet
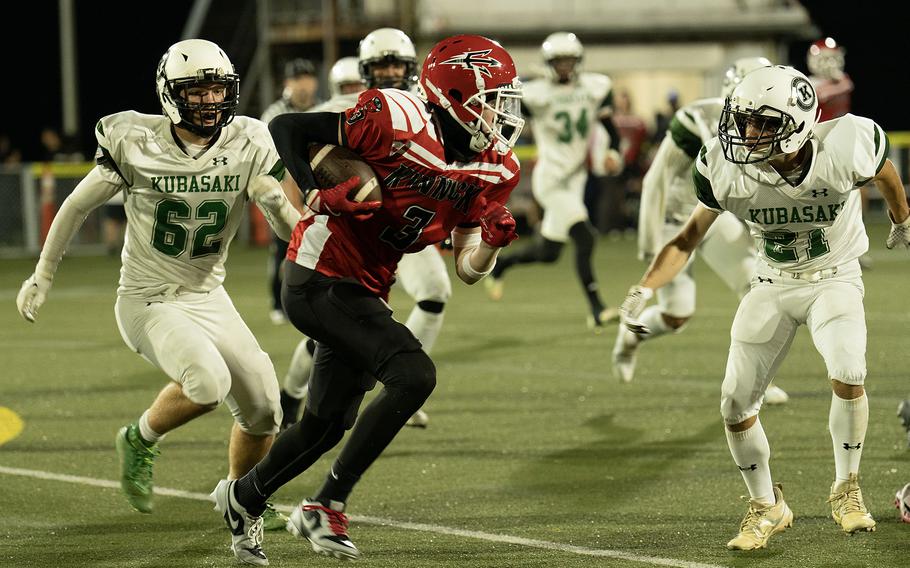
{"x":738,"y":70}
{"x":561,"y":45}
{"x":388,"y":45}
{"x":771,"y":112}
{"x":346,"y":71}
{"x":194,"y":62}
{"x":825,"y":58}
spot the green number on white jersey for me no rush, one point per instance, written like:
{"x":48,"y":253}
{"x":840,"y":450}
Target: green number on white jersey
{"x":778,"y":245}
{"x":170,"y":236}
{"x":569,"y":127}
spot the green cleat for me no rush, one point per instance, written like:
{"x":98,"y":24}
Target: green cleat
{"x":136,"y":461}
{"x":273,"y":519}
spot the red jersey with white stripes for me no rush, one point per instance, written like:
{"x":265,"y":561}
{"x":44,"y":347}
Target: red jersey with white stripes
{"x":423,"y":197}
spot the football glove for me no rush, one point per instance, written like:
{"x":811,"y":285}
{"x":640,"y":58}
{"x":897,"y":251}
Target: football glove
{"x":632,"y":307}
{"x":497,"y":226}
{"x":335,"y":201}
{"x":31,"y":295}
{"x":899,"y":235}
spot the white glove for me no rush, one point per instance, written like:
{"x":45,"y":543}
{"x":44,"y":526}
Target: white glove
{"x":32,"y":294}
{"x":632,"y":307}
{"x":899,"y":235}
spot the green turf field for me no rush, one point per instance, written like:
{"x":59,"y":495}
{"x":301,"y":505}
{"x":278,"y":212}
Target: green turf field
{"x":535,"y":455}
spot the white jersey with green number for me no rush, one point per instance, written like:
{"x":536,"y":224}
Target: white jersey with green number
{"x":182,"y":212}
{"x":816,"y":224}
{"x":562,"y":119}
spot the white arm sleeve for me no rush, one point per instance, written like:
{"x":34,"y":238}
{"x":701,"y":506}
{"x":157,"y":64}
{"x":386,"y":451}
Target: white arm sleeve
{"x":92,"y":192}
{"x":474,"y":258}
{"x":266,"y":192}
{"x":651,"y":210}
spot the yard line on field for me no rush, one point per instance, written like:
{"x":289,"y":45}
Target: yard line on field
{"x":420,"y":527}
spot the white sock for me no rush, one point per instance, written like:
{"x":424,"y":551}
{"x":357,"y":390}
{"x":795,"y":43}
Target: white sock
{"x":653,"y":318}
{"x":847,"y":422}
{"x":146,"y":431}
{"x":425,"y":326}
{"x":298,"y":375}
{"x":751,"y":453}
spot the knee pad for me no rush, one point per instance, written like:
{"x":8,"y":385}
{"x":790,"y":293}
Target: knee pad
{"x":206,"y":383}
{"x":261,"y":419}
{"x":412,"y":372}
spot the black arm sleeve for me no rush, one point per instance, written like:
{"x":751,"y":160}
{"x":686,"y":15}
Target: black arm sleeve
{"x":293,"y":133}
{"x":611,"y":130}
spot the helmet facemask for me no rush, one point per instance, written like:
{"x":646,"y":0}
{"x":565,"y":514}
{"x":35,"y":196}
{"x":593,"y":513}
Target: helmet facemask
{"x":750,"y":136}
{"x":205,"y":118}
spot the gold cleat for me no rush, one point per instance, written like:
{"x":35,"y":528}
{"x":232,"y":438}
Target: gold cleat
{"x":494,"y":287}
{"x":762,"y":522}
{"x":847,"y":507}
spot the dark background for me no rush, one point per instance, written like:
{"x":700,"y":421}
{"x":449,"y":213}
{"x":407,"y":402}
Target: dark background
{"x":119,"y":44}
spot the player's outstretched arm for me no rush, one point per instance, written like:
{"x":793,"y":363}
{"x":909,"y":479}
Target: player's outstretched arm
{"x":93,"y":191}
{"x":270,"y":197}
{"x":671,"y":259}
{"x":888,"y":183}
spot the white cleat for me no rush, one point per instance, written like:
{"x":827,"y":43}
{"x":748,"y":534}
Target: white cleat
{"x":246,"y":530}
{"x":625,"y":354}
{"x":325,"y":527}
{"x":419,"y":419}
{"x":775,"y":395}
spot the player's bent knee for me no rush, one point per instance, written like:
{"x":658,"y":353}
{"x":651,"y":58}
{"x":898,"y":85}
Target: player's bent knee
{"x":675,"y":323}
{"x":412,"y":371}
{"x":206,"y":385}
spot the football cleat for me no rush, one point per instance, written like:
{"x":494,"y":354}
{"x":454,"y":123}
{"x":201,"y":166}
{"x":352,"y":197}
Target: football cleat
{"x":625,"y":354}
{"x":136,"y":462}
{"x":494,"y":287}
{"x":246,"y":530}
{"x":419,"y":419}
{"x":596,"y":321}
{"x":762,"y":522}
{"x":903,"y":412}
{"x":325,"y":527}
{"x":273,"y":519}
{"x":847,"y":507}
{"x":902,"y":502}
{"x":774,"y":395}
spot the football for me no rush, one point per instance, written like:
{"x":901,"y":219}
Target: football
{"x":335,"y":164}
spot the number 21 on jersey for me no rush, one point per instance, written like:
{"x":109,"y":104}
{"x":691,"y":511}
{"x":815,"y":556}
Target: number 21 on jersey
{"x":779,"y":245}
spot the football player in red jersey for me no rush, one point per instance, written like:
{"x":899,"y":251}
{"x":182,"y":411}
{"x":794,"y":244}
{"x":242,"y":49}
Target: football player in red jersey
{"x":446,"y":168}
{"x":833,"y":86}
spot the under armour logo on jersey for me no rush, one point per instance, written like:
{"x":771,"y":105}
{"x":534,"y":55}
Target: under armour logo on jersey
{"x":847,"y":446}
{"x":765,"y":280}
{"x":804,"y":93}
{"x":475,"y":60}
{"x":221,"y":160}
{"x":820,"y":192}
{"x":752,"y":467}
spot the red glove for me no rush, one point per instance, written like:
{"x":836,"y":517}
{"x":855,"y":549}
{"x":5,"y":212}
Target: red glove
{"x":497,"y":225}
{"x":336,"y":201}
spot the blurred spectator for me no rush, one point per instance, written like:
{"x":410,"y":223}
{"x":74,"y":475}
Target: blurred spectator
{"x":300,"y":86}
{"x":662,"y":118}
{"x":56,"y":148}
{"x":833,"y":86}
{"x":616,"y":212}
{"x":9,"y":154}
{"x":299,"y":95}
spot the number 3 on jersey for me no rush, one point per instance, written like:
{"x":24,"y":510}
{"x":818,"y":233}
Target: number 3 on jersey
{"x":779,"y":245}
{"x":408,"y":235}
{"x":170,"y":237}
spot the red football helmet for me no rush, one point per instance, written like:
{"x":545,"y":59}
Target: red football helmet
{"x":474,"y":79}
{"x":826,"y":59}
